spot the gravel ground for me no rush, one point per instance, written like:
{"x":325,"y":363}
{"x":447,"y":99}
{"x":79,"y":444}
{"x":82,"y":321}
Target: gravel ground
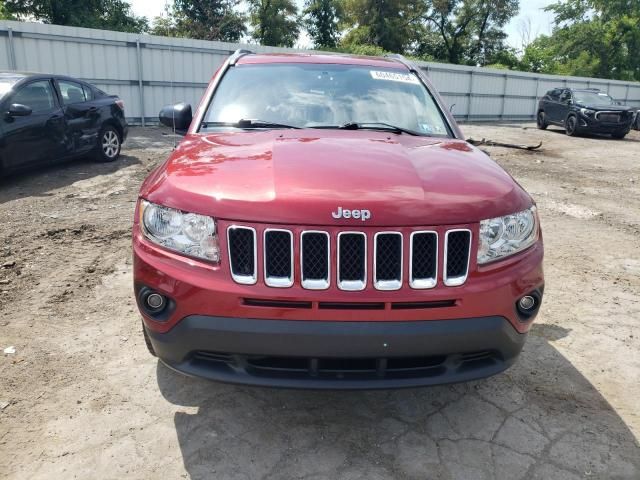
{"x":81,"y":398}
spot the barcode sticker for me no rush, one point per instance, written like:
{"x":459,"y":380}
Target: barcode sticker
{"x":395,"y":77}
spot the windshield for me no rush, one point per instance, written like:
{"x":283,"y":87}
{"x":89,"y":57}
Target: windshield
{"x":327,"y":95}
{"x":593,"y":98}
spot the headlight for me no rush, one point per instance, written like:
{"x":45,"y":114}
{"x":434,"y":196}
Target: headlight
{"x":587,"y":111}
{"x":187,"y":233}
{"x":504,"y":236}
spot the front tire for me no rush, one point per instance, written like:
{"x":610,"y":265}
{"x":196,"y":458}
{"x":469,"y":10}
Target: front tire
{"x":109,"y":145}
{"x":571,"y":126}
{"x":542,"y":121}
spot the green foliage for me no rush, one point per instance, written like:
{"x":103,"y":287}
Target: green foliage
{"x":4,"y":13}
{"x":103,"y":14}
{"x":274,"y":22}
{"x":466,"y":31}
{"x":538,"y":56}
{"x":202,"y":19}
{"x":321,"y":19}
{"x":454,"y":31}
{"x":595,"y":38}
{"x":388,"y":24}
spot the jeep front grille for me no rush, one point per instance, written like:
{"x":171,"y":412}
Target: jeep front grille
{"x":315,"y":267}
{"x":423,"y":268}
{"x":456,"y":257}
{"x":388,"y":261}
{"x":242,"y":254}
{"x":278,"y":258}
{"x":352,"y":261}
{"x":321,"y":253}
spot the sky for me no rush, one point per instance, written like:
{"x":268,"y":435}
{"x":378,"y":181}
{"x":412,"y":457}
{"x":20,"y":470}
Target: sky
{"x":530,"y":11}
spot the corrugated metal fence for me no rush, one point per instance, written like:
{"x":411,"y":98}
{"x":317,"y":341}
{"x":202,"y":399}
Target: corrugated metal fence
{"x":149,"y":72}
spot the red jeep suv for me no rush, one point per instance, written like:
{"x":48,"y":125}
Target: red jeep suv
{"x":323,"y":224}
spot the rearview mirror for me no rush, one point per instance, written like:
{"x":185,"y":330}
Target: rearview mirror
{"x":19,"y":110}
{"x":177,"y":117}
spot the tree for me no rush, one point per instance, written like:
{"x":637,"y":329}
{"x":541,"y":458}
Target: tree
{"x":321,"y":18}
{"x":466,"y":31}
{"x":202,"y":19}
{"x":274,"y":22}
{"x":104,"y":14}
{"x":4,"y":13}
{"x":387,"y":24}
{"x":599,"y":38}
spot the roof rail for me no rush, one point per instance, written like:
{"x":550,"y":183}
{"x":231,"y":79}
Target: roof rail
{"x":401,"y":59}
{"x":238,"y":54}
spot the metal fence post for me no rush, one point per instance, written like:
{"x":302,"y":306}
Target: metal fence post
{"x":626,"y":95}
{"x":535,"y":98}
{"x":140,"y":87}
{"x":504,"y":96}
{"x":12,"y":52}
{"x":470,"y":96}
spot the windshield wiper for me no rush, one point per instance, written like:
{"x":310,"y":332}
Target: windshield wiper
{"x":370,"y":126}
{"x":248,"y":123}
{"x":377,"y":126}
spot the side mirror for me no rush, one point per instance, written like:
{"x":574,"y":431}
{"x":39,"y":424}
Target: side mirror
{"x":177,"y":117}
{"x":19,"y":110}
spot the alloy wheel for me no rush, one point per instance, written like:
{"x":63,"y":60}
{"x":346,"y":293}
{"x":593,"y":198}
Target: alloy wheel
{"x":110,"y":143}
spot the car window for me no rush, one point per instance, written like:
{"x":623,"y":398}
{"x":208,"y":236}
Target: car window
{"x":566,"y":95}
{"x":555,"y":94}
{"x":325,"y":95}
{"x":72,"y":92}
{"x":594,"y":98}
{"x":38,"y":96}
{"x":88,"y":94}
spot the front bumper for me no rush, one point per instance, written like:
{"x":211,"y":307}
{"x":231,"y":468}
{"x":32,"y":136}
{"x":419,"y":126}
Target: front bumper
{"x":590,"y":125}
{"x":339,"y":355}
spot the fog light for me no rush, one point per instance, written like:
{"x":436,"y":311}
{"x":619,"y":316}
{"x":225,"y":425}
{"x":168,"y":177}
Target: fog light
{"x":155,"y":301}
{"x":527,"y":302}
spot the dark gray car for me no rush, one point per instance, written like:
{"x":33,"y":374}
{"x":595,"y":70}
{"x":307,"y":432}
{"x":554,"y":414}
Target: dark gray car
{"x":584,"y":111}
{"x":49,"y":118}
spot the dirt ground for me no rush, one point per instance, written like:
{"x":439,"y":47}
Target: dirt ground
{"x":81,"y":398}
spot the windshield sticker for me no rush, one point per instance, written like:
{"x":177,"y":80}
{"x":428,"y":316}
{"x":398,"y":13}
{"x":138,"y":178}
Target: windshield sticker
{"x":394,"y":77}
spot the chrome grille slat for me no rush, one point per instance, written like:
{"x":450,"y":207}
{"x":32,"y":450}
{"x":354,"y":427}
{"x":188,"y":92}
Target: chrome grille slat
{"x":351,"y":258}
{"x":243,"y":254}
{"x":278,"y":258}
{"x":457,"y":253}
{"x":352,"y":261}
{"x":315,"y":263}
{"x":387,"y":260}
{"x":423,"y":259}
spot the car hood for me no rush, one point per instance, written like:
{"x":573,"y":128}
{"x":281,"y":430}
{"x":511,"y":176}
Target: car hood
{"x":302,"y":176}
{"x":608,"y":108}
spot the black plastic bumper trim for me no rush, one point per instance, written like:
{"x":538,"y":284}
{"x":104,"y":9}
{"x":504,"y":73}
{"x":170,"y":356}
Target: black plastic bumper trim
{"x":239,"y":338}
